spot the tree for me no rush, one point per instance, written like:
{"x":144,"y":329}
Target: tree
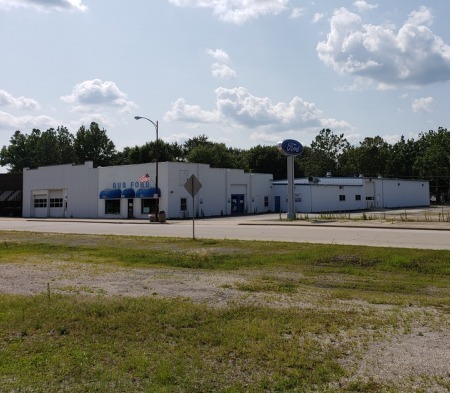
{"x":401,"y":158}
{"x":53,"y":147}
{"x":326,"y":149}
{"x":216,"y":155}
{"x":373,"y":154}
{"x":196,"y":141}
{"x":267,"y":159}
{"x":433,"y":162}
{"x":93,"y":144}
{"x":18,"y":154}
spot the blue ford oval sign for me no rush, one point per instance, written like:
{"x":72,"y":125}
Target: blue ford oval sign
{"x":290,"y":147}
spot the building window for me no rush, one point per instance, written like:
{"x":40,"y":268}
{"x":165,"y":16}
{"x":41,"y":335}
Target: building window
{"x":112,"y":206}
{"x":357,"y":197}
{"x":266,"y":201}
{"x":342,"y":198}
{"x":56,"y":202}
{"x":40,"y":202}
{"x":147,"y":207}
{"x":370,"y":198}
{"x":183,"y":204}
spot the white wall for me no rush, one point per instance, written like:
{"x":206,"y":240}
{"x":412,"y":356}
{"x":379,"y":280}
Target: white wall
{"x":124,"y":177}
{"x":218,"y":184}
{"x":393,"y":193}
{"x":373,"y":193}
{"x":76,"y":184}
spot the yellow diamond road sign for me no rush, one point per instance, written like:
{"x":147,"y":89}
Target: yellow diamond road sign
{"x":192,"y":185}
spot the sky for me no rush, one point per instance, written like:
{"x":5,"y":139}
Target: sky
{"x":242,"y":72}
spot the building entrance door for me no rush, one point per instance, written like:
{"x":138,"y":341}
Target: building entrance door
{"x":130,"y":208}
{"x":277,"y":204}
{"x":237,"y":204}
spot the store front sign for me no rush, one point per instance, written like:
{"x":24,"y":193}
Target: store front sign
{"x":132,"y":184}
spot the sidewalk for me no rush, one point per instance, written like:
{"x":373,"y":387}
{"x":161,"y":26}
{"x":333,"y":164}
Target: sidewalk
{"x":274,"y":220}
{"x":389,"y":224}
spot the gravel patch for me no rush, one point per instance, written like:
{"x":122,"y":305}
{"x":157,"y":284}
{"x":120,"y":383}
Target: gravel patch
{"x":414,"y":361}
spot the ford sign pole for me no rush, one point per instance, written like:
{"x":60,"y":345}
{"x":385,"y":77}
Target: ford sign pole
{"x":290,"y":187}
{"x":291,"y":149}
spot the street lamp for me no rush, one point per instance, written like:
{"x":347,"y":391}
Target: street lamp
{"x":156,"y":125}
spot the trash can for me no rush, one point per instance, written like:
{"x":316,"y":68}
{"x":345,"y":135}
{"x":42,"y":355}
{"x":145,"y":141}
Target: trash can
{"x":152,"y":218}
{"x":162,"y":216}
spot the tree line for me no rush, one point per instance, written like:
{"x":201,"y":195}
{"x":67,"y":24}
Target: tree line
{"x":427,"y":158}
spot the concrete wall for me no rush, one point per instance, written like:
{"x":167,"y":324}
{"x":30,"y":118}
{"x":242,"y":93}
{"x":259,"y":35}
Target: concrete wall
{"x":347,"y":194}
{"x":392,"y":193}
{"x":215,"y":196}
{"x":75,"y":184}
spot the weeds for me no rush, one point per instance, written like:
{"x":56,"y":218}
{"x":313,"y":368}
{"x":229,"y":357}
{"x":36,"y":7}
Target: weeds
{"x":85,"y":342}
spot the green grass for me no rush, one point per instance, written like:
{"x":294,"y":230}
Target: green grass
{"x":99,"y":344}
{"x":95,"y":343}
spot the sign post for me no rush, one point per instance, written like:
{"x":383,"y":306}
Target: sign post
{"x":193,"y":185}
{"x":290,"y":148}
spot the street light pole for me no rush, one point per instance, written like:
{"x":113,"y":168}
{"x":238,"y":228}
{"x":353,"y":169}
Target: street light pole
{"x":156,"y":125}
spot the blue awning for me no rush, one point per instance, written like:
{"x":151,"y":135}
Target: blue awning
{"x":147,"y":192}
{"x":109,"y":193}
{"x":128,"y":193}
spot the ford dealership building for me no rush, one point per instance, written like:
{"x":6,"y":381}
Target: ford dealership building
{"x":128,"y":191}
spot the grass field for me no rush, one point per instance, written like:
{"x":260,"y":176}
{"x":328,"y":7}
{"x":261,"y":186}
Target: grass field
{"x":325,"y":306}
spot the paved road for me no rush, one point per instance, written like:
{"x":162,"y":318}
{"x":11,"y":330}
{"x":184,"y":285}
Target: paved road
{"x":266,"y":228}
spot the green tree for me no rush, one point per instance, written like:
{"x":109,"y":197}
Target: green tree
{"x":18,"y":154}
{"x":326,"y":149}
{"x":216,"y":155}
{"x":373,"y":154}
{"x":53,"y":147}
{"x":433,"y":162}
{"x":93,"y":144}
{"x":401,"y":158}
{"x":190,"y":144}
{"x":267,"y":159}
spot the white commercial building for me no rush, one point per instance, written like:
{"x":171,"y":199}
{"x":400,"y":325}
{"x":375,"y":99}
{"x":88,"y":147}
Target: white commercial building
{"x":129,"y":191}
{"x":330,"y":194}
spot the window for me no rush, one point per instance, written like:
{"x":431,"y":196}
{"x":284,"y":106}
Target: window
{"x":112,"y":206}
{"x":56,"y":202}
{"x":183,"y":204}
{"x":40,"y":202}
{"x":266,"y":201}
{"x":357,"y":197}
{"x":342,"y":198}
{"x":145,"y":206}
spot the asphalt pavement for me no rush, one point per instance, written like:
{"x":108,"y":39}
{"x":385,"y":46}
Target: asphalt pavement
{"x":416,"y":230}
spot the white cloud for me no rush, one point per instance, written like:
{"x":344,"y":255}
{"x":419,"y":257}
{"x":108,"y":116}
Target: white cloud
{"x":317,"y":17}
{"x":8,"y":121}
{"x":422,"y":105}
{"x":219,"y":68}
{"x":297,"y":13}
{"x":190,"y":113}
{"x":7,"y":99}
{"x":362,"y":5}
{"x":223,"y":71}
{"x":422,"y":16}
{"x":44,"y":5}
{"x":96,"y":93}
{"x":411,"y":56}
{"x":219,"y":55}
{"x":236,"y":11}
{"x":238,"y":108}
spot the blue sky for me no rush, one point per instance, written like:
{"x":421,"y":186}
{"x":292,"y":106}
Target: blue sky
{"x":243,"y":72}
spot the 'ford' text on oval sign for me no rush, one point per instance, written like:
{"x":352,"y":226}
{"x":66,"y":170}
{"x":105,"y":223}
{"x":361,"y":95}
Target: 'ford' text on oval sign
{"x":290,"y":147}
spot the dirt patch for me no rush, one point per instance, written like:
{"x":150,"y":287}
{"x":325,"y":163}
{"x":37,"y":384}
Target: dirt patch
{"x":414,"y":360}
